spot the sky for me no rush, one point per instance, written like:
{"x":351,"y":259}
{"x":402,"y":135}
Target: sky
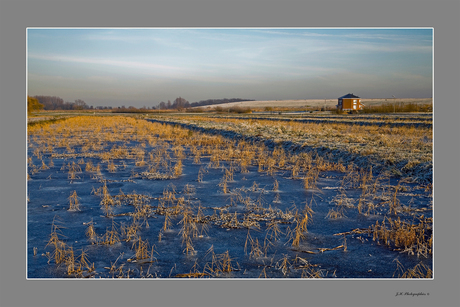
{"x":144,"y":66}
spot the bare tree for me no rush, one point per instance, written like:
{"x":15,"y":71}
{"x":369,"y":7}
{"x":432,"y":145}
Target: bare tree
{"x":33,"y":105}
{"x":80,"y":105}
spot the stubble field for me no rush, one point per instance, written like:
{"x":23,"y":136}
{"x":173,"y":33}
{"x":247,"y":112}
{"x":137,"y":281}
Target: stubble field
{"x":214,"y":197}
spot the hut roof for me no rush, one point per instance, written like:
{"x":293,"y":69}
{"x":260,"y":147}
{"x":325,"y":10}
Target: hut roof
{"x":349,"y":96}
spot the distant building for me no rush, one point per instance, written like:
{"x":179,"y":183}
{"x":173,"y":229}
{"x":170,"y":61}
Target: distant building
{"x":349,"y":102}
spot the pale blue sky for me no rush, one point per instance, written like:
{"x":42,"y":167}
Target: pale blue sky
{"x":111,"y":66}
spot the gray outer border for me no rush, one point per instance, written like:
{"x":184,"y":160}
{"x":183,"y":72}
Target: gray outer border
{"x":15,"y":16}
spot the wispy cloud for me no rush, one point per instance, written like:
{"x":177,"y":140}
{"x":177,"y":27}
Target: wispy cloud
{"x":152,"y":36}
{"x":102,"y":61}
{"x":379,"y":47}
{"x":340,"y":33}
{"x":210,"y":75}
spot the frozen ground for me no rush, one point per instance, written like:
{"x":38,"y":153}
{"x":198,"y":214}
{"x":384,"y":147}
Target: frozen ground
{"x":251,"y":197}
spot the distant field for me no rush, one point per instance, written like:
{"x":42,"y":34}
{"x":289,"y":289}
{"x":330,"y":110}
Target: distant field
{"x":315,"y":103}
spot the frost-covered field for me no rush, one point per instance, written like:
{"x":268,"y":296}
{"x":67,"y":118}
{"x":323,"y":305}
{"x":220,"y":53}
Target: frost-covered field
{"x":399,"y":150}
{"x":300,"y":103}
{"x":119,"y":197}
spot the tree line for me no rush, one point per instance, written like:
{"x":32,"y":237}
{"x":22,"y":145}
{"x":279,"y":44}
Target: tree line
{"x":57,"y":103}
{"x":179,"y":103}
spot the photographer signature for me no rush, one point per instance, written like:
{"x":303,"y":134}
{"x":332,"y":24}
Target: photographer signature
{"x":412,"y":294}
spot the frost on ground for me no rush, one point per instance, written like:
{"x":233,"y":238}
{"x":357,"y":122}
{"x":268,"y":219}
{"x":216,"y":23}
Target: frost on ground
{"x":127,"y":198}
{"x":407,"y":154}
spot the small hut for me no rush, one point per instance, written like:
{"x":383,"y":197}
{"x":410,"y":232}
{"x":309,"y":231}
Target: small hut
{"x":349,"y":102}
